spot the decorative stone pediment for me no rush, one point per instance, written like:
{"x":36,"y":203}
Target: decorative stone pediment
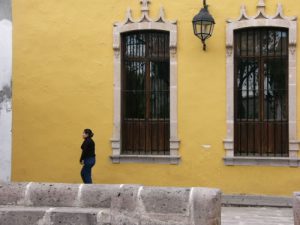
{"x":261,"y":13}
{"x":261,"y":19}
{"x":145,"y":22}
{"x":145,"y":17}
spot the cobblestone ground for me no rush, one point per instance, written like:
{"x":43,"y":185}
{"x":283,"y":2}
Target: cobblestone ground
{"x":256,"y":216}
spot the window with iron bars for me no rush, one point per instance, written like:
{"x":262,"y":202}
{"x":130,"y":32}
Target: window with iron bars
{"x":145,"y":94}
{"x":261,"y":92}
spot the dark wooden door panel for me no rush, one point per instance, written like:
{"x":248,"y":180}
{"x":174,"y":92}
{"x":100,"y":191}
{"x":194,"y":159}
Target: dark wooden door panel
{"x":146,"y":138}
{"x":261,"y":139}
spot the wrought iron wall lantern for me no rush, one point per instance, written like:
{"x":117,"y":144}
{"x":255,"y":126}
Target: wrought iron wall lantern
{"x":203,"y":24}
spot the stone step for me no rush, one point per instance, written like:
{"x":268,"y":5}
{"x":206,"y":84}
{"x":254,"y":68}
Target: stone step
{"x":19,"y":215}
{"x":257,"y":216}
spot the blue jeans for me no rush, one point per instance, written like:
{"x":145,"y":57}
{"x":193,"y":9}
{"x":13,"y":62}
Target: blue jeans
{"x":86,"y":172}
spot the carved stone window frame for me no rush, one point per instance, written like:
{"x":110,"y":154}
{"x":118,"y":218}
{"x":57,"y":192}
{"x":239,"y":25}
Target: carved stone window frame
{"x":262,"y":20}
{"x":145,"y":23}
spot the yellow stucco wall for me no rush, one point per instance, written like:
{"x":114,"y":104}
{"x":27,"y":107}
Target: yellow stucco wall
{"x":63,"y":83}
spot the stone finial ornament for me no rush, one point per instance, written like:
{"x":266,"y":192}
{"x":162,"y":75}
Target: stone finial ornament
{"x":145,"y":7}
{"x":261,"y":4}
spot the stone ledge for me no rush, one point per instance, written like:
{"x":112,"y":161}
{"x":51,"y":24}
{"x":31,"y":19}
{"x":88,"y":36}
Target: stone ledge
{"x":261,"y":161}
{"x":155,"y":159}
{"x":256,"y":201}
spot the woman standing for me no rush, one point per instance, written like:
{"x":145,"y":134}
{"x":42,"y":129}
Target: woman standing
{"x":88,"y":157}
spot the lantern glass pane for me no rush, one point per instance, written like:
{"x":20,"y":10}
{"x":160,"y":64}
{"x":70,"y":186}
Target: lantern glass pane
{"x":206,"y":27}
{"x":212,"y":28}
{"x":194,"y":28}
{"x":198,"y":28}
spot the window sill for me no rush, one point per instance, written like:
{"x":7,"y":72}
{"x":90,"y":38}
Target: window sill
{"x":261,"y":161}
{"x":152,"y":159}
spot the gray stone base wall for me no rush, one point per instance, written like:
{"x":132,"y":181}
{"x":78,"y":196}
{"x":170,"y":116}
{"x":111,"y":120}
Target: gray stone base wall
{"x":40,"y":203}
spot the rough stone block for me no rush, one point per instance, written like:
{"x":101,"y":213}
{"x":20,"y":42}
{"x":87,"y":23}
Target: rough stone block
{"x":126,"y":199}
{"x":55,"y":195}
{"x":12,"y":194}
{"x":73,"y":216}
{"x":104,"y":217}
{"x":119,"y":219}
{"x":206,"y":206}
{"x":21,"y":216}
{"x":166,"y":200}
{"x":97,"y":196}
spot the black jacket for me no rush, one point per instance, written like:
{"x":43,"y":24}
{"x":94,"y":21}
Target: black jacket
{"x":88,"y":149}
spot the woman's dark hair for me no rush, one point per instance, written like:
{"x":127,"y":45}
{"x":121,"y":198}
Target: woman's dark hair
{"x":89,"y":132}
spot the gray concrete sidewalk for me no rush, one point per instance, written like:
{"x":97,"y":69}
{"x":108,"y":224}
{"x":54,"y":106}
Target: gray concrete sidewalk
{"x":257,"y":216}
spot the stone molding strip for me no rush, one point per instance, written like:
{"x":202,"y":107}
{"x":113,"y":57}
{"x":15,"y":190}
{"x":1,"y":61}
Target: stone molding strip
{"x":159,"y":159}
{"x":261,"y":161}
{"x":113,"y":204}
